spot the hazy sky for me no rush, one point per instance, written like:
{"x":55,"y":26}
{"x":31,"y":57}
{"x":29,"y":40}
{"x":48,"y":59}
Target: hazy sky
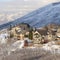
{"x":28,"y":5}
{"x":5,"y":0}
{"x":24,"y":6}
{"x":12,"y":9}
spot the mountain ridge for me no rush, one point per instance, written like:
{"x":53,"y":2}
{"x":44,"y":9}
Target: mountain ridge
{"x":40,"y":17}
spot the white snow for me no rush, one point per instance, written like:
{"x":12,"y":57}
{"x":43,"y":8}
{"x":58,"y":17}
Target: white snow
{"x":16,"y":45}
{"x":3,"y":38}
{"x":52,"y":47}
{"x":19,"y":44}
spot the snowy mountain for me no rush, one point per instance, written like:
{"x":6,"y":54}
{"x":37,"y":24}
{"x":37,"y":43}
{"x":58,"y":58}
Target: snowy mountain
{"x":40,"y":17}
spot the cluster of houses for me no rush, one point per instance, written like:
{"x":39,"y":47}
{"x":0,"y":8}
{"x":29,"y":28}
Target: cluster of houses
{"x":42,"y":35}
{"x":46,"y":34}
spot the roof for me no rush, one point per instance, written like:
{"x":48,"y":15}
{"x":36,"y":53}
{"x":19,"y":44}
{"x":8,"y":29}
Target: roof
{"x":42,"y":31}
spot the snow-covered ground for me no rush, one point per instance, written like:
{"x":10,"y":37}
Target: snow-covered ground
{"x":18,"y":45}
{"x":52,"y":47}
{"x":3,"y":38}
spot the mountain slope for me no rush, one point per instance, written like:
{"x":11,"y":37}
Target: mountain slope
{"x":40,"y":17}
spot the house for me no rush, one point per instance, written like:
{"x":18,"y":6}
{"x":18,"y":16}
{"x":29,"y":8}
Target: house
{"x":49,"y":36}
{"x":39,"y":34}
{"x":52,"y":27}
{"x":51,"y":33}
{"x":15,"y":30}
{"x":20,"y":31}
{"x":42,"y":32}
{"x":58,"y":33}
{"x":24,"y":26}
{"x":36,"y":37}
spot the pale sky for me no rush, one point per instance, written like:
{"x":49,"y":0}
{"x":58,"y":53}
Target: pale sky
{"x":23,"y":4}
{"x":12,"y":9}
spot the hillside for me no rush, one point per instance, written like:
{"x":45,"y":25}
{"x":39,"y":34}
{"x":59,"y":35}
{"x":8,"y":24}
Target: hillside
{"x":40,"y":17}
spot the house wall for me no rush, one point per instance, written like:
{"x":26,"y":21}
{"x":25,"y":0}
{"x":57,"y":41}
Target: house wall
{"x":36,"y":38}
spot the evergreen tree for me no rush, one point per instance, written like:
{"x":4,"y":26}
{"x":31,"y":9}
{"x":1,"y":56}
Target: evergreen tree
{"x":31,"y":34}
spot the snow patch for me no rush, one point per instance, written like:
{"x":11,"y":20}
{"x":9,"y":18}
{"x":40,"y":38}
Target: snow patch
{"x":52,"y":47}
{"x":3,"y":38}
